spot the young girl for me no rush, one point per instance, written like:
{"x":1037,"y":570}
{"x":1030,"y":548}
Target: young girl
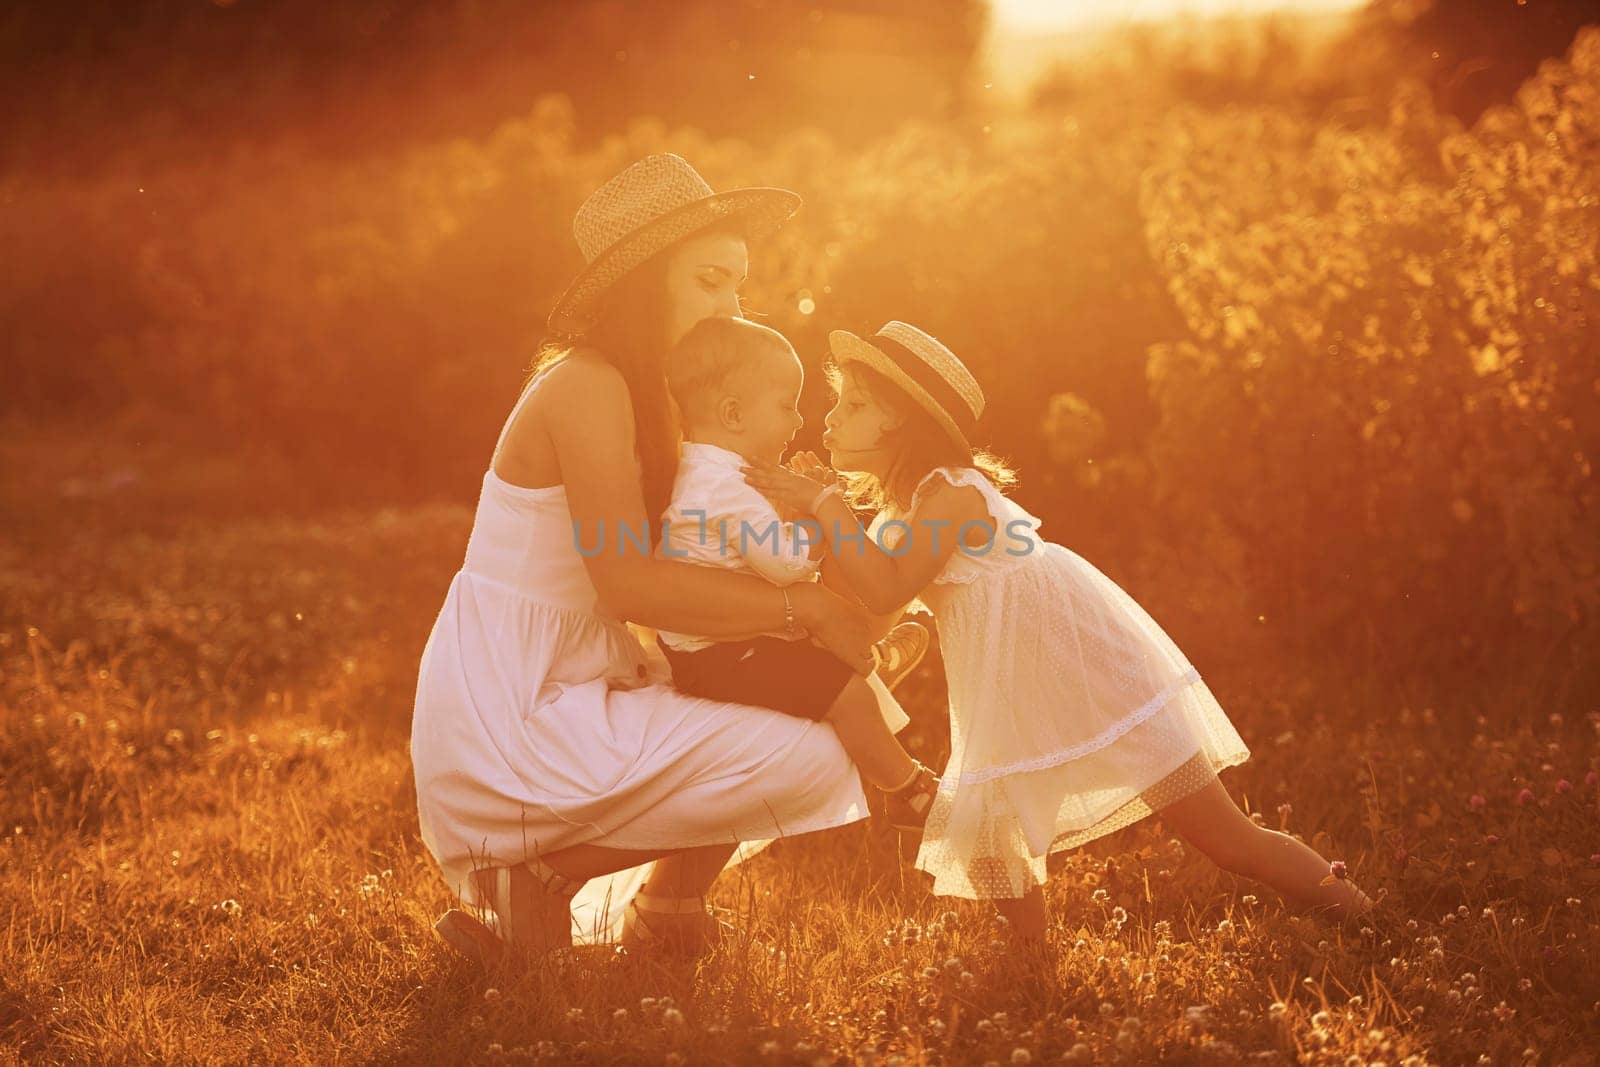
{"x":1072,"y":713}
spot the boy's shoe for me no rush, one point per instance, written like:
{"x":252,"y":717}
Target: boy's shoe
{"x":898,"y":654}
{"x":907,"y":807}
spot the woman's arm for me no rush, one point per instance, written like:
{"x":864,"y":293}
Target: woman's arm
{"x":590,"y":423}
{"x":878,"y":625}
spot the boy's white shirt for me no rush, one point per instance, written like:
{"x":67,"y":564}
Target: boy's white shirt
{"x":711,"y":503}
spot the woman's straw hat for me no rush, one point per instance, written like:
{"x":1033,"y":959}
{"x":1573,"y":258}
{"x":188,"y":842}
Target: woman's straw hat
{"x":928,"y":371}
{"x":654,"y":203}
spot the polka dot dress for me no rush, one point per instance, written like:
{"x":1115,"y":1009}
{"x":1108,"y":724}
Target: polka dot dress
{"x":1072,"y":714}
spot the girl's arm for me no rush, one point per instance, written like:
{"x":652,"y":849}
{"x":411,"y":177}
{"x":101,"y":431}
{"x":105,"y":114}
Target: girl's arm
{"x":590,"y":424}
{"x":884,"y":582}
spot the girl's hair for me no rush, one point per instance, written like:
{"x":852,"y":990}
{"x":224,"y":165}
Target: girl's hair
{"x":631,"y":333}
{"x":918,"y":445}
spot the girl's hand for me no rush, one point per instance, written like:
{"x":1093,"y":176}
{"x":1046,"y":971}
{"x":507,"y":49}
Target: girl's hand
{"x":808,"y":465}
{"x":782,"y":486}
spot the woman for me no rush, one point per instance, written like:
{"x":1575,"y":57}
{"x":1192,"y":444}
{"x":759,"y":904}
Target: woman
{"x":548,"y":750}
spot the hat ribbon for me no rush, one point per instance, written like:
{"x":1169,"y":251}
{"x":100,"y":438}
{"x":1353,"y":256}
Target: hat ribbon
{"x":919,"y":371}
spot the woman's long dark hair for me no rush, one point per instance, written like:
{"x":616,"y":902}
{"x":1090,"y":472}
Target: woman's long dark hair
{"x":631,"y":333}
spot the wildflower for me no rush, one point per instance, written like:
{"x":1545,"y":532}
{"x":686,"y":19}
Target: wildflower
{"x":1476,"y":802}
{"x":948,"y":920}
{"x":1573,"y":902}
{"x":1503,"y":1012}
{"x":672,"y":1017}
{"x":1119,"y":914}
{"x":647,"y":1004}
{"x":1321,"y":1018}
{"x":1337,"y":869}
{"x":1277,"y":1009}
{"x":1197,"y":1014}
{"x":984,"y":1026}
{"x":1525,"y":796}
{"x":930,"y":973}
{"x":1021,"y":1055}
{"x":952,"y":966}
{"x":1107,"y":1008}
{"x":491,"y":995}
{"x":574,"y":1015}
{"x":1225,"y":926}
{"x":1563,"y":786}
{"x":770,"y":1048}
{"x":1491,"y":839}
{"x":1285,"y":810}
{"x":1078,"y":1053}
{"x":231,"y":908}
{"x":1100,"y":896}
{"x":1591,"y":778}
{"x":475,"y":1023}
{"x":968,"y":979}
{"x":620,"y":1016}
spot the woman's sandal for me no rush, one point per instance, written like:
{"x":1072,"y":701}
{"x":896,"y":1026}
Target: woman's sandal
{"x":668,"y":926}
{"x":488,"y":943}
{"x":908,"y":804}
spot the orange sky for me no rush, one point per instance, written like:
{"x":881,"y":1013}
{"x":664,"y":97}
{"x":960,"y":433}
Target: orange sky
{"x":1047,"y":15}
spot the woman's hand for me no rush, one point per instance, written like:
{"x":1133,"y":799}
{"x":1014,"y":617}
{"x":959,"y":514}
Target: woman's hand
{"x":782,"y":486}
{"x":842,"y":627}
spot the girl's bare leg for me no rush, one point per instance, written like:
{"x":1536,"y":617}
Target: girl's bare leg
{"x":1211,"y":822}
{"x":1025,"y":914}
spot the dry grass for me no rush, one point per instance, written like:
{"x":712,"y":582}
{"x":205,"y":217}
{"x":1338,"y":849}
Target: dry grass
{"x":209,"y":852}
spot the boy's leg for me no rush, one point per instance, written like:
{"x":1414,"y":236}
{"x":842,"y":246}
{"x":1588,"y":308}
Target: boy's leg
{"x":856,"y":718}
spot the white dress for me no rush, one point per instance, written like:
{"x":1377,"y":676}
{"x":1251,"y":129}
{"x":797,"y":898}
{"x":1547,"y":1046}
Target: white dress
{"x":1072,"y":714}
{"x":541,"y":722}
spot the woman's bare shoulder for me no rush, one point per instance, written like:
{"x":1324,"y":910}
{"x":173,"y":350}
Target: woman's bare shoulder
{"x":583,"y":385}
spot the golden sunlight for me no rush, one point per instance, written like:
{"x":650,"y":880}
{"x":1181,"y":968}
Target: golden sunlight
{"x":1046,"y":15}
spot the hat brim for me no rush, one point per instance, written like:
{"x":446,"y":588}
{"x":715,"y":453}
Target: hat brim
{"x":762,"y":211}
{"x":847,"y":347}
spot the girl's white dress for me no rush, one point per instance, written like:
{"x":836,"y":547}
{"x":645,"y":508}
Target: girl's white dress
{"x":541,"y":722}
{"x":1072,"y":714}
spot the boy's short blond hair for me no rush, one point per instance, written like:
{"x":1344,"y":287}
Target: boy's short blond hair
{"x":703,"y":363}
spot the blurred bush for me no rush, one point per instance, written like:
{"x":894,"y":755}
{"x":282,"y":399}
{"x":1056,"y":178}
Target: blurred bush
{"x":1314,"y":389}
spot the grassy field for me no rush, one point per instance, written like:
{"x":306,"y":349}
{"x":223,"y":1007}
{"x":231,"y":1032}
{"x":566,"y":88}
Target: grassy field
{"x":209,"y":852}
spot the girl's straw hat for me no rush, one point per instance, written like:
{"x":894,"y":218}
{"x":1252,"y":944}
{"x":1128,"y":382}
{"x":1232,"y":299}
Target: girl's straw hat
{"x":654,"y":203}
{"x":928,"y":371}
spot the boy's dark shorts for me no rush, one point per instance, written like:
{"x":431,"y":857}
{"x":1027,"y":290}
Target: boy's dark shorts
{"x":795,"y":677}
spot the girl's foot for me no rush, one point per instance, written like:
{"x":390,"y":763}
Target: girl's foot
{"x":680,"y":925}
{"x":908,"y":804}
{"x":898,"y":654}
{"x":529,"y":910}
